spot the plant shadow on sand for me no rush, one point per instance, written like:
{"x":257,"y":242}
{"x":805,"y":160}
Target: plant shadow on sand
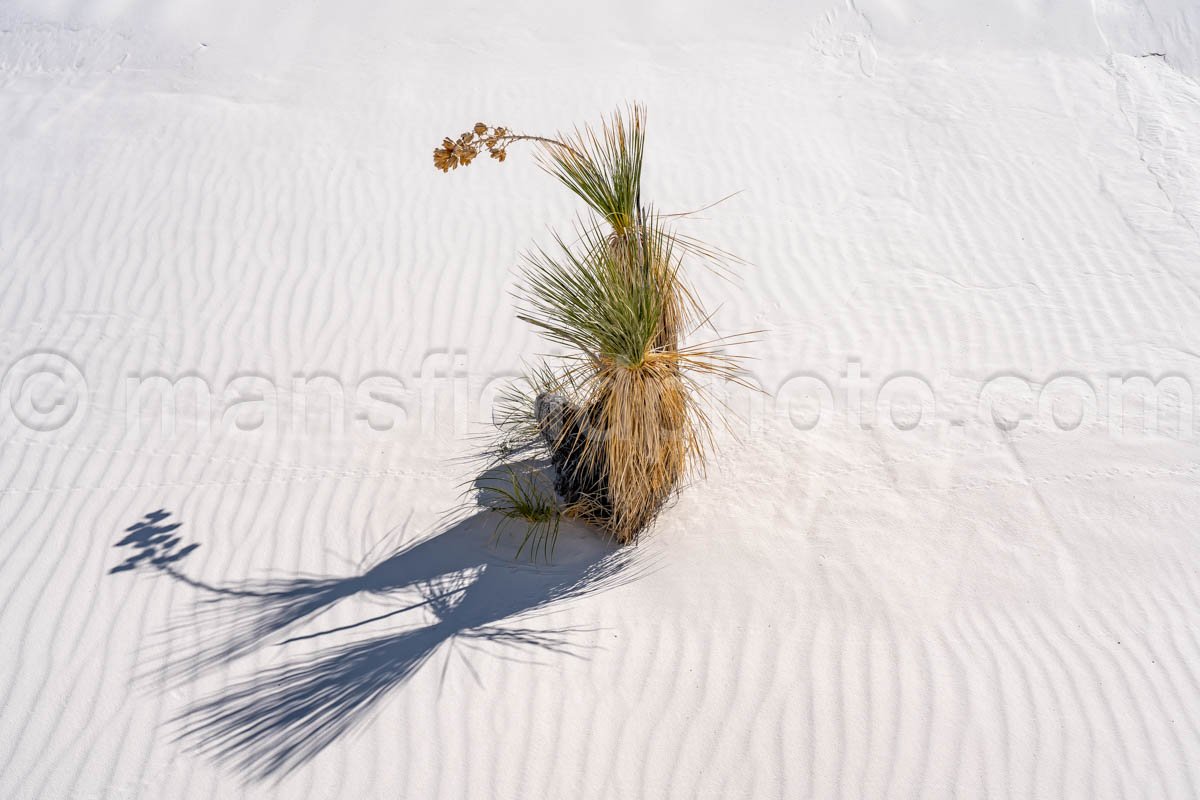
{"x":285,"y":715}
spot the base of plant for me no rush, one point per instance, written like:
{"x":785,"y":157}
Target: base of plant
{"x":580,"y":482}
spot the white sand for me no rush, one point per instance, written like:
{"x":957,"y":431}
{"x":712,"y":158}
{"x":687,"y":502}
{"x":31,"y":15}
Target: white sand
{"x":997,"y":200}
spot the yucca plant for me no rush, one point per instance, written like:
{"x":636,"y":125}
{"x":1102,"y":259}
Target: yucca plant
{"x":622,"y":416}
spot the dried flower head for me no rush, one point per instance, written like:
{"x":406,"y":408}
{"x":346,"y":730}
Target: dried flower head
{"x":460,"y":152}
{"x":444,"y":157}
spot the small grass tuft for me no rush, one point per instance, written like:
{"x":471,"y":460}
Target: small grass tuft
{"x":521,"y":500}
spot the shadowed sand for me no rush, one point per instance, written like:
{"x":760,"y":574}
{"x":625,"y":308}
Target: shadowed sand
{"x":287,"y":714}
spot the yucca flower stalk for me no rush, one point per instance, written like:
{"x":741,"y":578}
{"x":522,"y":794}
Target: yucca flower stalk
{"x":622,"y":415}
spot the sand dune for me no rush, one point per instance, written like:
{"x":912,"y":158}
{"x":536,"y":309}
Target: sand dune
{"x":949,"y":552}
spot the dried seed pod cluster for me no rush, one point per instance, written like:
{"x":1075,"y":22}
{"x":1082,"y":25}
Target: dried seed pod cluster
{"x":462,"y":151}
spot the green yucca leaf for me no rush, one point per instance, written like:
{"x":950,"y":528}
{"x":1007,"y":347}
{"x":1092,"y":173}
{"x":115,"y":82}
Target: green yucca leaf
{"x":604,"y":171}
{"x":606,"y":295}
